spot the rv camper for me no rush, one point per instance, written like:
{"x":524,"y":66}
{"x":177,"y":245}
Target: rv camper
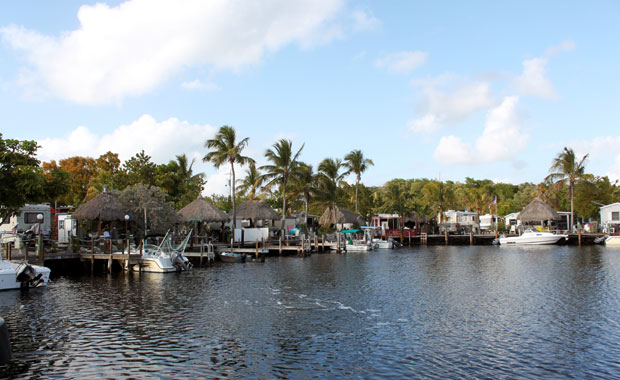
{"x":27,"y":217}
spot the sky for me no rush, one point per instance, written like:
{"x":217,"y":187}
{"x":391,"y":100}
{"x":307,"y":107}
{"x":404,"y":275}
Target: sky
{"x":439,"y":90}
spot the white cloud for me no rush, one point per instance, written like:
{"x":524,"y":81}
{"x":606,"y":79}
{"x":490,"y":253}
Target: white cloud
{"x":160,"y":140}
{"x":502,"y":139}
{"x":197,"y":84}
{"x":533,"y":80}
{"x":402,"y":62}
{"x":364,"y":21}
{"x":130,"y":49}
{"x":448,"y":100}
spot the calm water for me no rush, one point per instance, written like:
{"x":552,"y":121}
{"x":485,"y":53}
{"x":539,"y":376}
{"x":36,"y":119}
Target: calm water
{"x":436,"y":312}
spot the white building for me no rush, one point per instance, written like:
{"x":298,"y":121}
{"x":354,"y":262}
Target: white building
{"x":610,"y":218}
{"x":488,"y":221}
{"x":460,"y":221}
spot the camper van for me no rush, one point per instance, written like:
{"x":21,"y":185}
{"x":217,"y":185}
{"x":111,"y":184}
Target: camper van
{"x":26,"y":217}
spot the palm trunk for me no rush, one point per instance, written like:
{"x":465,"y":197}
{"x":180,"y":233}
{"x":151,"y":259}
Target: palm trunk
{"x":572,"y":217}
{"x":283,"y":206}
{"x":232,"y":166}
{"x":357,"y":182}
{"x":306,"y":202}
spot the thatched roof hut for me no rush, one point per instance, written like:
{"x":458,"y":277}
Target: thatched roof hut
{"x":256,"y":210}
{"x":200,"y":210}
{"x":537,"y":211}
{"x":340,"y":215}
{"x":104,"y":207}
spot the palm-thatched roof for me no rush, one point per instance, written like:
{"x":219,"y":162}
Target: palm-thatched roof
{"x":256,"y":210}
{"x":340,"y":215}
{"x":201,"y":210}
{"x":537,"y":211}
{"x":105,"y":207}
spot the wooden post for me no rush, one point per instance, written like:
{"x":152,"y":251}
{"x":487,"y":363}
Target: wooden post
{"x":242,"y":242}
{"x":202,"y":249}
{"x":8,"y":251}
{"x":409,"y":238}
{"x":471,"y":237}
{"x":323,"y":242}
{"x":303,"y":246}
{"x":446,"y":237}
{"x":579,"y":236}
{"x":280,"y":245}
{"x":256,"y":250}
{"x":110,"y":263}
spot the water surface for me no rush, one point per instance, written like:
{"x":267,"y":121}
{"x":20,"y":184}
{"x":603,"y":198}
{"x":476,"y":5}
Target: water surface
{"x":428,"y":312}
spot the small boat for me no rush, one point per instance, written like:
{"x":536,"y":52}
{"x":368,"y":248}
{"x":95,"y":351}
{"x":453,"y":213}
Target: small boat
{"x":357,"y":245}
{"x":22,"y":275}
{"x":232,"y":257}
{"x":164,"y":258}
{"x":383,"y":244}
{"x":613,"y":241}
{"x":530,"y":237}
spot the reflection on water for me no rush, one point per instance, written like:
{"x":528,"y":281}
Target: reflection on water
{"x":432,"y":312}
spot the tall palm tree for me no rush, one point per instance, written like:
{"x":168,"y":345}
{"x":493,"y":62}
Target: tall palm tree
{"x":565,"y":169}
{"x":252,"y":182}
{"x":356,"y":163}
{"x":303,"y":184}
{"x":328,"y":179}
{"x":225,"y":149}
{"x":441,"y":196}
{"x":283,"y":165}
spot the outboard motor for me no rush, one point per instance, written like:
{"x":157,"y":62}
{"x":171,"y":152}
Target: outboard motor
{"x":27,"y":276}
{"x":180,"y":262}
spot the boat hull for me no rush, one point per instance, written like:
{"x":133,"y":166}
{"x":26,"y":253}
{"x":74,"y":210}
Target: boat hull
{"x":535,"y":238}
{"x":358,"y":247}
{"x":8,"y":275}
{"x":613,"y":241}
{"x":156,"y":265}
{"x":233,"y":257}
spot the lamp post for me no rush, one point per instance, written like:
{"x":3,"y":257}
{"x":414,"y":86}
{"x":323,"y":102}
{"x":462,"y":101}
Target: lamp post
{"x":39,"y":239}
{"x":127,"y":233}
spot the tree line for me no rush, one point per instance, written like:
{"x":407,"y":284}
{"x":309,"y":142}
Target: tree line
{"x":287,"y":183}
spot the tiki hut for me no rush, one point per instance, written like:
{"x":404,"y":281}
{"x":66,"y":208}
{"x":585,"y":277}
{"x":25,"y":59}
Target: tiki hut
{"x":339,"y":215}
{"x":538,"y":211}
{"x":105,"y":207}
{"x":200,"y":210}
{"x":256,"y":210}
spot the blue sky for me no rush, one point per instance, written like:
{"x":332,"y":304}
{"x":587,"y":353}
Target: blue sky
{"x":483,"y":89}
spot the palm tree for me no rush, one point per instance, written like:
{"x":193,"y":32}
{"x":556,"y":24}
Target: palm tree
{"x":565,"y":169}
{"x":440,"y":195}
{"x":283,"y":165}
{"x":356,"y":163}
{"x":303,"y":184}
{"x":328,"y":180}
{"x":225,"y":148}
{"x":252,"y":182}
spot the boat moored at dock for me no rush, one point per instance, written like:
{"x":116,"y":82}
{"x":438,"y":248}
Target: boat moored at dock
{"x":530,"y":237}
{"x":22,"y":275}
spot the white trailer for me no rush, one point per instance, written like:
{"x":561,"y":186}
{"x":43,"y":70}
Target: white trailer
{"x":28,"y":216}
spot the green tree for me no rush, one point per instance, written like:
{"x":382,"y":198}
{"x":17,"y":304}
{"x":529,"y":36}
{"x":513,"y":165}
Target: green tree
{"x":283,"y":165}
{"x":303,"y":185}
{"x":178,"y":180}
{"x":21,"y":180}
{"x":140,"y":199}
{"x":566,"y":169}
{"x":225,"y":149}
{"x":251,"y":184}
{"x":356,"y":163}
{"x":140,"y":169}
{"x":329,"y":176}
{"x":440,"y":196}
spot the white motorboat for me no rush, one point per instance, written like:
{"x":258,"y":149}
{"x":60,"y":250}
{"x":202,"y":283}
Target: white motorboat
{"x":530,"y":237}
{"x":359,"y":246}
{"x":164,"y":258}
{"x":383,"y":244}
{"x":613,"y":241}
{"x":22,"y":275}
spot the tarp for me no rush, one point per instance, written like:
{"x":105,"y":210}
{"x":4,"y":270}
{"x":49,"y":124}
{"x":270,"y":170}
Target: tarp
{"x":350,"y":231}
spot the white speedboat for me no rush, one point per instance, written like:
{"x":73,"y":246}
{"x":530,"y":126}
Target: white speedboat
{"x":164,"y":258}
{"x":22,"y":275}
{"x":383,"y":244}
{"x":530,"y":237}
{"x":359,"y":246}
{"x":612,"y":241}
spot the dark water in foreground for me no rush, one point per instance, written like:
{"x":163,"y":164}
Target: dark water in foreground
{"x":436,"y":312}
